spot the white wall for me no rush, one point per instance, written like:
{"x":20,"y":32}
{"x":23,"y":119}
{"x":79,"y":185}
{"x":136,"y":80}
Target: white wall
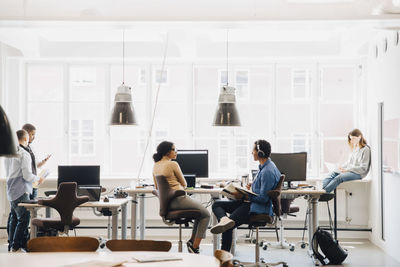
{"x":383,"y":86}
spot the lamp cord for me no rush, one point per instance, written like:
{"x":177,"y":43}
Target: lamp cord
{"x":123,"y":56}
{"x":227,"y":50}
{"x":155,"y":105}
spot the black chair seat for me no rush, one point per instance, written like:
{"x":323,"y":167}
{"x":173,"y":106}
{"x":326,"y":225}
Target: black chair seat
{"x":294,"y":209}
{"x":326,"y":197}
{"x":258,"y":220}
{"x":182,"y":216}
{"x":54,"y":223}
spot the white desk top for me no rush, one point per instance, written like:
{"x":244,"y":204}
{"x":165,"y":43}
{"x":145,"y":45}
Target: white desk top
{"x":114,"y":202}
{"x":61,"y":259}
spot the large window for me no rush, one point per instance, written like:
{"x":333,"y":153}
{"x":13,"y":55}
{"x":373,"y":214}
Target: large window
{"x":297,"y":107}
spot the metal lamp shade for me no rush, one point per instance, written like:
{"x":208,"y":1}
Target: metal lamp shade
{"x":226,"y":115}
{"x":123,"y":114}
{"x":7,"y":144}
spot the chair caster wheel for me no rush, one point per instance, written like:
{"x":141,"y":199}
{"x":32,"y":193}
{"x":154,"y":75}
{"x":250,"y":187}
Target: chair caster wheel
{"x":253,"y":241}
{"x":303,"y":245}
{"x":291,"y":248}
{"x":265,"y":247}
{"x":261,"y":244}
{"x":102,"y":245}
{"x":262,"y":260}
{"x":285,"y":265}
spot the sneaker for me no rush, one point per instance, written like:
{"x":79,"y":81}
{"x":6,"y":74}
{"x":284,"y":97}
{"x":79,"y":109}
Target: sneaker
{"x":191,"y":249}
{"x":14,"y":250}
{"x":224,"y":224}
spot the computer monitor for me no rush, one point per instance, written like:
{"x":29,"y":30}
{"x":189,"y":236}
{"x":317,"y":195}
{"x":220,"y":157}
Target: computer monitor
{"x":293,"y":165}
{"x":193,"y":162}
{"x":82,"y":175}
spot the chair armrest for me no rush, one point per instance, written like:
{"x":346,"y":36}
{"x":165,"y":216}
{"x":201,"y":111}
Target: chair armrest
{"x":46,"y":202}
{"x":175,"y":193}
{"x":274,"y":193}
{"x":81,"y":199}
{"x":155,"y":192}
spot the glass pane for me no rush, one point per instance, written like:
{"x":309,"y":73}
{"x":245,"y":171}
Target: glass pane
{"x":335,"y":151}
{"x":293,"y":118}
{"x":338,"y":83}
{"x":87,"y":147}
{"x":87,"y":83}
{"x":45,"y":82}
{"x":74,"y":146}
{"x":333,"y":115}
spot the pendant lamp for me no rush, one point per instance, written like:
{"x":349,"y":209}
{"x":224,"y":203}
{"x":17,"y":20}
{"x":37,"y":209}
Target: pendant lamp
{"x":226,"y":113}
{"x":7,"y":144}
{"x":123,"y":112}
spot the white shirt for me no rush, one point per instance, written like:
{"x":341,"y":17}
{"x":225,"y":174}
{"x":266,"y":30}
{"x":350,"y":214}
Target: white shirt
{"x":19,"y":174}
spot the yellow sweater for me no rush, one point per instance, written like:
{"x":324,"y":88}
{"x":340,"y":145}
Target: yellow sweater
{"x":172,"y":172}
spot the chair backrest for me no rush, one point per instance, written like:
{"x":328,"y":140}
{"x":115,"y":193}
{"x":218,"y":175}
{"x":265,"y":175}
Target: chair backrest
{"x":65,"y":201}
{"x":62,"y":244}
{"x":138,"y":245}
{"x":166,"y":194}
{"x":224,"y":257}
{"x":275,"y":195}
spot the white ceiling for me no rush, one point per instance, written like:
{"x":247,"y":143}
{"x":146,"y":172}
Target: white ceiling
{"x":195,"y":10}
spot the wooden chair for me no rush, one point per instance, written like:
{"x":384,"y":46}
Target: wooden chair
{"x":224,"y":257}
{"x":138,"y":245}
{"x":62,"y":244}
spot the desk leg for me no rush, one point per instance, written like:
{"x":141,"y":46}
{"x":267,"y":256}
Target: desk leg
{"x":133,"y":216}
{"x":334,"y":215}
{"x":33,"y":214}
{"x":142,"y":226}
{"x":313,"y":225}
{"x":115,"y":223}
{"x":234,"y":239}
{"x":123,"y":221}
{"x":215,"y":237}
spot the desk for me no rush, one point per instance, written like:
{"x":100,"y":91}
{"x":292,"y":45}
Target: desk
{"x":58,"y":259}
{"x":113,"y":205}
{"x":312,"y":198}
{"x":141,"y":192}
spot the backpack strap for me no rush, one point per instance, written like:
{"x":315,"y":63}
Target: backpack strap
{"x":323,"y":260}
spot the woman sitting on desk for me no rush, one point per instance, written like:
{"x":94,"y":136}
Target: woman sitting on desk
{"x":172,"y":172}
{"x":356,"y":167}
{"x":240,"y":209}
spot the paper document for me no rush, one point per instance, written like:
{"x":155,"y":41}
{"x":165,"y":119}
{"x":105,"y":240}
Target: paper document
{"x":43,"y":173}
{"x":96,"y":263}
{"x":332,"y":167}
{"x":155,"y":258}
{"x":231,"y":188}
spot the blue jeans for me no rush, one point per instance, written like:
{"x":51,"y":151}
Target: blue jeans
{"x":18,"y":223}
{"x":34,"y":194}
{"x":334,"y":179}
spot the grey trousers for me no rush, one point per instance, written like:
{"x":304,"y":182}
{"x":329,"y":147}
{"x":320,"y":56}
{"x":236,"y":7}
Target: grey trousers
{"x":200,"y":224}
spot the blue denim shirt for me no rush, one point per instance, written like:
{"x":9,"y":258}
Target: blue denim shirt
{"x":266,"y":179}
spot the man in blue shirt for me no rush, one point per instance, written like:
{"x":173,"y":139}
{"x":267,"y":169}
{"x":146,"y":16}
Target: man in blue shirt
{"x":245,"y":205}
{"x":19,"y":186}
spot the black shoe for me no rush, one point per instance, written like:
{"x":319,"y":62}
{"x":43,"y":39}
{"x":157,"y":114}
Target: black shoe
{"x":191,"y":249}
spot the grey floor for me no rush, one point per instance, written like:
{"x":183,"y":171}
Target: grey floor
{"x":361,"y":253}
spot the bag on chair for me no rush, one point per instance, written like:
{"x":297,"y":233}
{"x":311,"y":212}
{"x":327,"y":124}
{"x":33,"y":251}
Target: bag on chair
{"x":334,"y":253}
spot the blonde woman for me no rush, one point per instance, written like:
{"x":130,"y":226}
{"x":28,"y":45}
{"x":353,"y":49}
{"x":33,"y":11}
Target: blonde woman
{"x":356,"y":167}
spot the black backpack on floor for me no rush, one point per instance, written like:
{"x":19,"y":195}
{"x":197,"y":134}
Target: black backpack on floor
{"x":334,"y":253}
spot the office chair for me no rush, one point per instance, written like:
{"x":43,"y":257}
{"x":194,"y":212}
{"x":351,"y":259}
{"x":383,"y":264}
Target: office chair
{"x":287,"y":209}
{"x":259,"y":220}
{"x":166,"y":195}
{"x":62,"y":244}
{"x":65,"y":202}
{"x":138,"y":245}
